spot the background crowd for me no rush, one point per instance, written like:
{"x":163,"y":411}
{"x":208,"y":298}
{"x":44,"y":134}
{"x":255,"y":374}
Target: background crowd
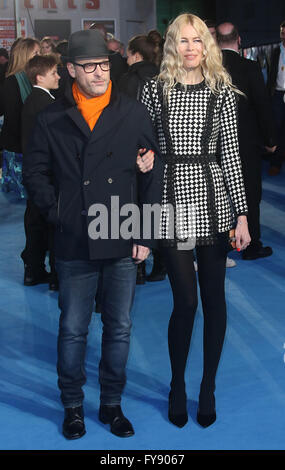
{"x":261,"y":123}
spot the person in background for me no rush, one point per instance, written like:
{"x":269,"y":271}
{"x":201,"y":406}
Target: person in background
{"x":41,"y":70}
{"x":212,"y":28}
{"x":61,"y":51}
{"x":116,"y":46}
{"x":141,"y":59}
{"x":4,"y":58}
{"x":276,"y":88}
{"x":156,"y":38}
{"x":82,"y":153}
{"x":193,"y":104}
{"x":255,"y":129}
{"x":47,"y":46}
{"x":16,"y":88}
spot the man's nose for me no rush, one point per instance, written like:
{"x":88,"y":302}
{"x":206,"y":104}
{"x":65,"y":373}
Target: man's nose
{"x":98,"y":71}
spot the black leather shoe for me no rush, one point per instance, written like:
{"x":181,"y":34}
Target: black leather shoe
{"x":206,"y":420}
{"x":253,"y":253}
{"x":113,"y":415}
{"x":73,"y":424}
{"x":32,"y":278}
{"x":179,"y":418}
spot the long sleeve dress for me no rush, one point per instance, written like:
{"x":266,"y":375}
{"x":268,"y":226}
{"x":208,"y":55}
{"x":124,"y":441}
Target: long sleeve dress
{"x":203,"y":185}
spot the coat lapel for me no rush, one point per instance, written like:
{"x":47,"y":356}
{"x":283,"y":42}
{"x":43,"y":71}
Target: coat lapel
{"x":79,"y":120}
{"x":72,"y":111}
{"x":110,"y":117}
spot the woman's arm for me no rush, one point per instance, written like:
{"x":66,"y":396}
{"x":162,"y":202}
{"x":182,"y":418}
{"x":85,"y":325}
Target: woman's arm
{"x":145,"y":160}
{"x":232,"y":169}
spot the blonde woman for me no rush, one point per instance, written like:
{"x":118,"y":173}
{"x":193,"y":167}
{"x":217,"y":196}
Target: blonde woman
{"x":16,"y":88}
{"x":47,"y":46}
{"x":193,"y":106}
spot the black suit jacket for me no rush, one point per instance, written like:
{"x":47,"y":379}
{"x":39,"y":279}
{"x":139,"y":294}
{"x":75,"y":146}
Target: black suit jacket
{"x":255,"y":121}
{"x":273,"y":70}
{"x":12,"y":109}
{"x":119,"y":66}
{"x":67,"y":169}
{"x":133,"y":81}
{"x":37,"y":101}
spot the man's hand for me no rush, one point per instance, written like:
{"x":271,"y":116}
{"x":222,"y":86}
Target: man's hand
{"x":145,"y":162}
{"x":271,"y":149}
{"x":140,"y":253}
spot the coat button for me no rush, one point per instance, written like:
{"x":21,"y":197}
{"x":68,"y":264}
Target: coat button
{"x":86,"y":182}
{"x":110,"y":180}
{"x":109,"y":154}
{"x":83,"y":212}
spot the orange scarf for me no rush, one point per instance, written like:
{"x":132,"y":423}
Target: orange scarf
{"x":91,"y":108}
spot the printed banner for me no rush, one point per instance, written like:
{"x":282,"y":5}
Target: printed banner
{"x":8,"y":31}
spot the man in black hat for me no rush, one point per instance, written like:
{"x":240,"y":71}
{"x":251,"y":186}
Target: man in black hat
{"x":81,"y":161}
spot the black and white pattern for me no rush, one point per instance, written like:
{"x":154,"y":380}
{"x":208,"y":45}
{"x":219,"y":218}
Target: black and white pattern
{"x":207,"y":195}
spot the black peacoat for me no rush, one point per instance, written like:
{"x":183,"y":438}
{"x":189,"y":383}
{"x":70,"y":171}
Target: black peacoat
{"x":67,"y":169}
{"x":255,"y":122}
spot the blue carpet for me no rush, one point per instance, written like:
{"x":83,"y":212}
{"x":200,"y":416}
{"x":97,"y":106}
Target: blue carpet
{"x":251,"y":379}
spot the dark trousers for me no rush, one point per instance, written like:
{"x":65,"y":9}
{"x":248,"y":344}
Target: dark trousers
{"x":211,"y":274}
{"x":251,"y":163}
{"x":278,"y":106}
{"x":39,"y":240}
{"x":78,"y":281}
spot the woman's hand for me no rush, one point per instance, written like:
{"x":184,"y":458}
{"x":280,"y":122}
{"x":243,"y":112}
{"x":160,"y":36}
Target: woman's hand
{"x":145,"y":162}
{"x":242,"y":234}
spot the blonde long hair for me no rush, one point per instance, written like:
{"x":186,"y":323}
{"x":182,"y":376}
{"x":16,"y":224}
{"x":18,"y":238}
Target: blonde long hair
{"x":20,"y":55}
{"x":172,"y":70}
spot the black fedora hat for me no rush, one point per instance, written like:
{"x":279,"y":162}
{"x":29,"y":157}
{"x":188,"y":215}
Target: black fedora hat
{"x":86,"y":44}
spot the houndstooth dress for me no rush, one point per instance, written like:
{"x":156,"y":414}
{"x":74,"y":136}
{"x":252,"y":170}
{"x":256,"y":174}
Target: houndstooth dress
{"x":201,"y":197}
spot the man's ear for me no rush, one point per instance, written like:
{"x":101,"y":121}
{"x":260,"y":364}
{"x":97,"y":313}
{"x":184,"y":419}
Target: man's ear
{"x":71,"y":69}
{"x":138,"y":57}
{"x":239,"y":42}
{"x":39,"y":79}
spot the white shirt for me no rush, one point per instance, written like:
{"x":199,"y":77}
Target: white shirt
{"x":45,"y":89}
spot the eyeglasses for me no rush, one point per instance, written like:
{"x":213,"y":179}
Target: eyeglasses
{"x":92,"y":66}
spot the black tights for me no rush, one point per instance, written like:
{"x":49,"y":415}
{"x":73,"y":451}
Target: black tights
{"x":211,"y":274}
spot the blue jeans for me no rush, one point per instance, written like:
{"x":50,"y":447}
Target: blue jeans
{"x":77,"y":288}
